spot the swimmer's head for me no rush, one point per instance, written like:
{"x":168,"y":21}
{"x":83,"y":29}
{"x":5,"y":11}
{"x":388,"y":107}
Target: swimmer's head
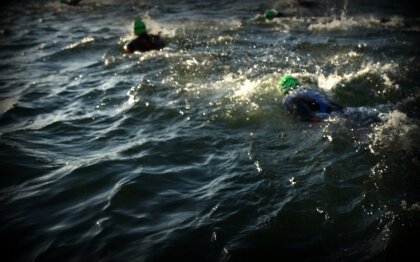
{"x":287,"y":83}
{"x":139,"y":27}
{"x":270,"y":14}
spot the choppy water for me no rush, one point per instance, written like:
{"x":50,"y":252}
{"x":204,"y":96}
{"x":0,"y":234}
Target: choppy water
{"x":186,"y":154}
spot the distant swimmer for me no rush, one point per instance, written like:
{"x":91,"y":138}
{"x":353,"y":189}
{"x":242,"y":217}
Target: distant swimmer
{"x":270,"y":14}
{"x":144,"y":42}
{"x":70,"y":2}
{"x":305,"y":102}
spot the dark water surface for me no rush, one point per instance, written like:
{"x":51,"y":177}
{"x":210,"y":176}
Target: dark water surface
{"x":186,"y":154}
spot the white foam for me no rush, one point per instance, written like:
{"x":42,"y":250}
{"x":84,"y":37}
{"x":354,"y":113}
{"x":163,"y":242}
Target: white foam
{"x":348,"y":22}
{"x":233,"y":24}
{"x":396,"y":132}
{"x":171,"y":28}
{"x":222,"y":39}
{"x":83,"y":41}
{"x":158,"y":27}
{"x":247,"y":88}
{"x":329,"y":82}
{"x":395,"y":21}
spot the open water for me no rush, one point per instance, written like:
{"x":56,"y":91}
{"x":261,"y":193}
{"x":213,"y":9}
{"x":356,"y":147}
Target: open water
{"x":186,"y":154}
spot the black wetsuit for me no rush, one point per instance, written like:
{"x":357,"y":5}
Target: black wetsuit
{"x":309,"y":104}
{"x":278,"y":14}
{"x":275,"y":15}
{"x":143,"y":43}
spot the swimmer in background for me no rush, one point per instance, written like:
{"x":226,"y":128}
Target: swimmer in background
{"x":305,"y":102}
{"x":144,"y":42}
{"x":271,"y":14}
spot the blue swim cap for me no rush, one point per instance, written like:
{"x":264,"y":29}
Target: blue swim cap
{"x":287,"y":83}
{"x":139,"y":27}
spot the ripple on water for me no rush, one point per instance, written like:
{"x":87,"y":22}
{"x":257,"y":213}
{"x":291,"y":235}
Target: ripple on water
{"x":186,"y":152}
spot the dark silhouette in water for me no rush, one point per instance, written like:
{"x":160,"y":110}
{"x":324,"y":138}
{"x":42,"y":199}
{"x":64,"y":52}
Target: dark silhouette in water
{"x":306,"y":4}
{"x":70,"y":2}
{"x":144,"y":42}
{"x":306,"y":103}
{"x":270,"y":14}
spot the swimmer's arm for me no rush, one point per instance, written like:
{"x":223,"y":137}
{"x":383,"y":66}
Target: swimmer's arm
{"x":128,"y":48}
{"x":317,"y":117}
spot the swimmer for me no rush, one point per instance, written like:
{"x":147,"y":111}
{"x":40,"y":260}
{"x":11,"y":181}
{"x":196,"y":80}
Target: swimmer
{"x":305,"y":102}
{"x":270,"y":14}
{"x":144,"y":42}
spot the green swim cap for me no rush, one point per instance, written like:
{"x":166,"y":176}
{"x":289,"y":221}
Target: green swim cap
{"x":287,"y":83}
{"x":139,"y":27}
{"x":270,"y":14}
